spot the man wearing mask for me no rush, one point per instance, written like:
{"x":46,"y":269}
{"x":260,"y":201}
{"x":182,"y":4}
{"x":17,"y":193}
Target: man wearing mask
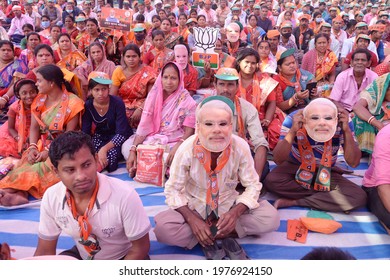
{"x":80,"y":25}
{"x":69,"y":10}
{"x":139,"y":39}
{"x":287,"y":40}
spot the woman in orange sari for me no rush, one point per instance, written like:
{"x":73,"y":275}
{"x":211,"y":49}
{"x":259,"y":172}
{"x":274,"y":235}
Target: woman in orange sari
{"x":171,"y":38}
{"x":182,"y":28}
{"x":132,"y":81}
{"x":67,"y":55}
{"x":321,"y":62}
{"x":260,"y":90}
{"x":54,"y":111}
{"x":158,"y":56}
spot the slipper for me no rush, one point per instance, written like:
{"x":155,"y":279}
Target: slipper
{"x":234,"y":250}
{"x":214,"y":252}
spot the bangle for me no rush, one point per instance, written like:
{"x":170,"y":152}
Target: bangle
{"x":370,"y":119}
{"x":33,"y":145}
{"x":295,"y":96}
{"x":133,"y":148}
{"x":4,"y":97}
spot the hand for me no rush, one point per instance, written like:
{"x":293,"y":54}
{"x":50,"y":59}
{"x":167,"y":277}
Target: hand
{"x":201,"y":230}
{"x":172,"y":153}
{"x":298,"y":121}
{"x":131,"y":164}
{"x":265,"y":122}
{"x":3,"y":103}
{"x":135,"y":117}
{"x":207,"y":67}
{"x":33,"y":156}
{"x":226,"y":223}
{"x":343,"y":119}
{"x":42,"y":156}
{"x":102,"y":157}
{"x":222,"y":31}
{"x":303,"y":94}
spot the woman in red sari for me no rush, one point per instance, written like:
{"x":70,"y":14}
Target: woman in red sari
{"x":132,"y":81}
{"x":321,"y":62}
{"x":260,"y":90}
{"x":158,"y":56}
{"x":182,"y":28}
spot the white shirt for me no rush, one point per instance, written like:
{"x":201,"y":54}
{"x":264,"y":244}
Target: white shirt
{"x":348,"y":44}
{"x":117,"y":218}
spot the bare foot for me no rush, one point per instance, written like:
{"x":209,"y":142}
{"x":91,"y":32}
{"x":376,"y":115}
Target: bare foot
{"x":283,"y":203}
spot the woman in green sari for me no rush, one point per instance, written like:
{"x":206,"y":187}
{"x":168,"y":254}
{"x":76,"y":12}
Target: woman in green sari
{"x":372,"y":112}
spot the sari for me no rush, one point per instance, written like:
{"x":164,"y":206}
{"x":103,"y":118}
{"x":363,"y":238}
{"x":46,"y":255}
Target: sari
{"x":133,"y":90}
{"x":268,"y":65}
{"x":163,"y":121}
{"x":86,"y":40}
{"x":83,"y":71}
{"x":320,"y":68}
{"x":8,"y":73}
{"x":184,"y":33}
{"x":38,"y":177}
{"x":289,"y":88}
{"x":70,"y":61}
{"x":157,"y":59}
{"x":262,"y":90}
{"x":171,"y":40}
{"x":27,"y":55}
{"x":9,"y":146}
{"x":375,"y":95}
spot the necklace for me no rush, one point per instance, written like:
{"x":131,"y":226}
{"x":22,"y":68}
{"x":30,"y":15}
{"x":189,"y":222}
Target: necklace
{"x":101,"y":109}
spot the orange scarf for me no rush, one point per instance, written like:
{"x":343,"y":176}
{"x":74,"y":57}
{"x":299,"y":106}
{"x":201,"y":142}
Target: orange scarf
{"x":88,"y":239}
{"x":204,"y":157}
{"x":21,"y":126}
{"x":234,"y":49}
{"x":158,"y":61}
{"x":257,"y":96}
{"x":296,"y":84}
{"x":240,"y":125}
{"x":301,"y":36}
{"x":306,"y":171}
{"x":326,"y":65}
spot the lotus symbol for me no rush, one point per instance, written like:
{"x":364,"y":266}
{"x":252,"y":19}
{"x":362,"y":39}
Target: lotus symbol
{"x":205,"y":38}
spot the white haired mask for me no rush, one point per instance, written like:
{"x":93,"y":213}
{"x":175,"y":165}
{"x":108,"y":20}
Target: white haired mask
{"x":320,"y":119}
{"x":181,"y":56}
{"x":233,"y":32}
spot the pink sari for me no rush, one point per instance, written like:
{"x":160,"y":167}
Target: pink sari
{"x":163,"y":121}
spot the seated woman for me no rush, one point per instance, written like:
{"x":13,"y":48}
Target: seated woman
{"x":307,"y":150}
{"x":105,"y":120}
{"x":260,"y":90}
{"x":93,"y":35}
{"x":14,"y":133}
{"x":27,"y":55}
{"x":267,"y":62}
{"x":70,"y":28}
{"x":182,"y":53}
{"x":67,"y":55}
{"x":132,"y":82}
{"x":158,"y":56}
{"x":11,"y":69}
{"x":182,"y":28}
{"x":56,"y":110}
{"x":170,"y":38}
{"x":376,"y":181}
{"x":96,"y":61}
{"x":321,"y":62}
{"x":372,"y":112}
{"x":253,"y":32}
{"x":293,"y":82}
{"x":55,"y":32}
{"x":44,"y":56}
{"x":168,"y":117}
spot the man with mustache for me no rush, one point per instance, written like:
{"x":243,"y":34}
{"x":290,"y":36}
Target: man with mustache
{"x":201,"y":190}
{"x":306,"y":154}
{"x":103,"y":214}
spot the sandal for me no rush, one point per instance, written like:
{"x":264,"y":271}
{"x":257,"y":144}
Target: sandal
{"x":233,"y":250}
{"x":214,"y":252}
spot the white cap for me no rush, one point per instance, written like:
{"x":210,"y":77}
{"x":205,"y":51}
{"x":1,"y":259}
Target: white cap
{"x":157,"y":2}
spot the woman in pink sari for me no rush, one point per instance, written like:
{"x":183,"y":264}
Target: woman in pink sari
{"x":168,"y":117}
{"x":96,"y":61}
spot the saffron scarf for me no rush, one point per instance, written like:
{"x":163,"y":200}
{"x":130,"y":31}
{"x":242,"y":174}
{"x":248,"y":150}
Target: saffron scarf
{"x":21,"y":125}
{"x":306,"y":171}
{"x":289,"y":83}
{"x":240,"y":125}
{"x":204,"y":157}
{"x":88,"y":239}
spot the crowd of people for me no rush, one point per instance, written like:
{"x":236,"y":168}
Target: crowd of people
{"x":300,"y":82}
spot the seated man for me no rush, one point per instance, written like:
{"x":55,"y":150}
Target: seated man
{"x":350,"y":82}
{"x":376,"y":180}
{"x":104,"y":215}
{"x":204,"y":205}
{"x":304,"y":175}
{"x":246,"y":122}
